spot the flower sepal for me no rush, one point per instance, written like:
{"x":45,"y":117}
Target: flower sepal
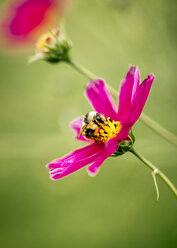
{"x":125,"y":145}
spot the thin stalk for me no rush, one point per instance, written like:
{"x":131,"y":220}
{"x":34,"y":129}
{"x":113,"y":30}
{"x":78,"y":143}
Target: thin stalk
{"x":163,"y":132}
{"x":82,"y":69}
{"x":156,"y":170}
{"x":159,"y":129}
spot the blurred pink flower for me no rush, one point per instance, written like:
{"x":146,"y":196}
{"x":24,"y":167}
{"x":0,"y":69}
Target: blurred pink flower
{"x":25,"y":19}
{"x":132,"y":98}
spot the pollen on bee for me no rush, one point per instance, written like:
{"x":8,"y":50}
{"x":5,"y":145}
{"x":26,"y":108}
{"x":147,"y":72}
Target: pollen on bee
{"x":109,"y":129}
{"x":99,"y":128}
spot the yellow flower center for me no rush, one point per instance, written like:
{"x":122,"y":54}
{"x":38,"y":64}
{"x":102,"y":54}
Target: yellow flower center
{"x":107,"y":130}
{"x":44,"y":40}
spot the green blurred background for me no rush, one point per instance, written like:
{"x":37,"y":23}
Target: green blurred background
{"x":118,"y":208}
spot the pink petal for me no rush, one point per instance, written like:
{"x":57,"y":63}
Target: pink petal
{"x":24,"y":17}
{"x":109,"y":149}
{"x":79,"y":153}
{"x":76,"y":125}
{"x":124,"y":132}
{"x":75,"y":161}
{"x":140,"y":99}
{"x":127,"y":92}
{"x":100,"y":98}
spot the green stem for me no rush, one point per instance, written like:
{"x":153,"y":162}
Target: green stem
{"x":159,"y":129}
{"x":170,"y":137}
{"x":156,"y":170}
{"x":82,"y":70}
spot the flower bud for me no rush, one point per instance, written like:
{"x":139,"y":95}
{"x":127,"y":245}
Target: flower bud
{"x":53,"y":47}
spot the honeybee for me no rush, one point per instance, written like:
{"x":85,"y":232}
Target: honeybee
{"x":92,"y":124}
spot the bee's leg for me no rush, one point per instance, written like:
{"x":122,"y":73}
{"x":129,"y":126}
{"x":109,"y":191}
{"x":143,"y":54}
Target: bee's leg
{"x":101,"y":126}
{"x":82,"y":130}
{"x":90,"y":133}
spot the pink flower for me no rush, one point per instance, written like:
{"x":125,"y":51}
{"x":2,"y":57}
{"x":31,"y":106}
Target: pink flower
{"x":132,"y":98}
{"x":24,"y":19}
